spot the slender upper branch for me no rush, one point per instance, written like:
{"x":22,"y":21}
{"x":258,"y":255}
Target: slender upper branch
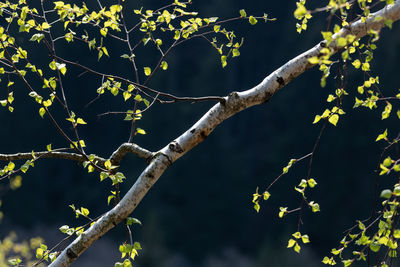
{"x":144,"y":87}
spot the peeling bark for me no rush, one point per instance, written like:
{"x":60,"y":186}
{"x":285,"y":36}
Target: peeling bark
{"x":235,"y":102}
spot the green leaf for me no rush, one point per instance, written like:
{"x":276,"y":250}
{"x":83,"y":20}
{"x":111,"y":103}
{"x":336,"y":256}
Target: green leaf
{"x":42,"y":111}
{"x":382,"y":136}
{"x":45,"y":26}
{"x":384,"y":169}
{"x":127,"y":263}
{"x":311,"y":182}
{"x":317,"y":119}
{"x":314,"y":206}
{"x":140,"y":131}
{"x":164,"y":65}
{"x":14,"y":261}
{"x":387,"y":193}
{"x":313,"y":60}
{"x":235,"y":52}
{"x":252,"y":20}
{"x":137,"y":246}
{"x":52,"y":65}
{"x":330,"y":98}
{"x":341,"y":42}
{"x":396,"y":234}
{"x":223,"y":61}
{"x":365,"y":66}
{"x":305,"y":239}
{"x":107,"y":164}
{"x":25,"y":166}
{"x":329,"y":261}
{"x":100,"y":54}
{"x":128,"y":116}
{"x":126,"y":95}
{"x":388,"y":23}
{"x":80,"y":121}
{"x":356,"y":63}
{"x":334,"y":119}
{"x":109,"y":198}
{"x":387,"y":111}
{"x":147,"y":71}
{"x":84,"y":211}
{"x":282,"y":211}
{"x":297,"y":235}
{"x":131,"y":221}
{"x":64,"y":229}
{"x":53,"y":256}
{"x":125,"y":56}
{"x":103,"y":31}
{"x":39,"y":253}
{"x":291,"y":243}
{"x":361,"y":226}
{"x":387,"y":162}
{"x":347,"y":263}
{"x":243,"y":13}
{"x":257,"y":207}
{"x":103,"y":175}
{"x":375,"y":246}
{"x":37,"y":37}
{"x":297,"y":248}
{"x":105,"y":51}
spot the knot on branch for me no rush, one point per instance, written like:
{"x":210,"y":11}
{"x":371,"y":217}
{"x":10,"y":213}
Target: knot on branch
{"x":233,"y":94}
{"x":175,"y":147}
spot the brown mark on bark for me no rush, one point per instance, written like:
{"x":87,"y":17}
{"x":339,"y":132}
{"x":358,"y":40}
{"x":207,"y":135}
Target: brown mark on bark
{"x":267,"y":96}
{"x":71,"y":254}
{"x":203,"y":135}
{"x":280,"y":81}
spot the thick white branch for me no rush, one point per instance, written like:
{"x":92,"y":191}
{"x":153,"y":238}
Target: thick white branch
{"x":235,"y":102}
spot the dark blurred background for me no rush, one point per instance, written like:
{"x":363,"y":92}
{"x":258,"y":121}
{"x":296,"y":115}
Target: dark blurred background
{"x":200,"y":212}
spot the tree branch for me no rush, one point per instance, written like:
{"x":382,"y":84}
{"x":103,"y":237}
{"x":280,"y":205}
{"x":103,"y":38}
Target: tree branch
{"x":115,"y":157}
{"x":44,"y":155}
{"x":235,"y":102}
{"x":125,"y":148}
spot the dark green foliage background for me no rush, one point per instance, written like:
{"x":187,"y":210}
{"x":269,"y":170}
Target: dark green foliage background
{"x":202,"y":205}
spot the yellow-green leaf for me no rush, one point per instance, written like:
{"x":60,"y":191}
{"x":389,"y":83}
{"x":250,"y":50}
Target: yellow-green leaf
{"x":140,"y":131}
{"x":126,"y":95}
{"x":164,"y":65}
{"x":252,"y":20}
{"x":80,"y":121}
{"x":291,"y":243}
{"x":45,"y":26}
{"x":147,"y":71}
{"x":42,"y":111}
{"x":334,"y":119}
{"x":381,"y":136}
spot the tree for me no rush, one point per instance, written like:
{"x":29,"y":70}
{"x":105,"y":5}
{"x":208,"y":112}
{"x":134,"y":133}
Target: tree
{"x":100,"y":27}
